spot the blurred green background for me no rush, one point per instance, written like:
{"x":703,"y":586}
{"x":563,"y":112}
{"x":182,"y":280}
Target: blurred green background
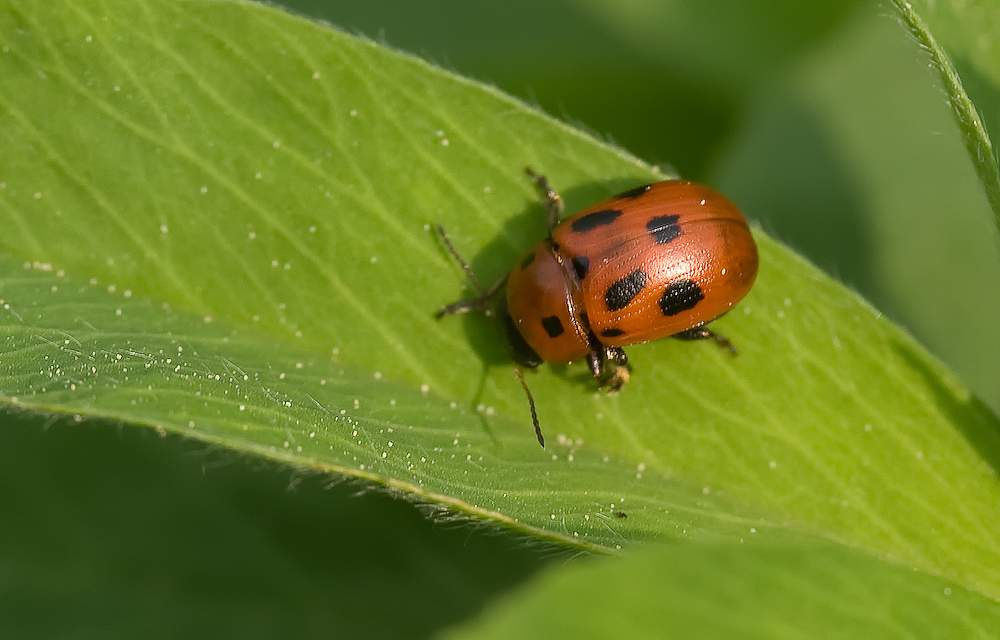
{"x":821,"y":120}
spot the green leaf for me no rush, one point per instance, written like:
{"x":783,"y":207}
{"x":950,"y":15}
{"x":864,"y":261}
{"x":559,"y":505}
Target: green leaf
{"x":804,"y":590}
{"x":218,"y":224}
{"x":101,"y":354}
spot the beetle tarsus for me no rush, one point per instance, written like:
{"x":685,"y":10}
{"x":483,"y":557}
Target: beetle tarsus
{"x":553,"y":201}
{"x":701,"y":332}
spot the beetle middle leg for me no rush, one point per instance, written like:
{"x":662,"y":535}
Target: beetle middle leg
{"x":485,"y":297}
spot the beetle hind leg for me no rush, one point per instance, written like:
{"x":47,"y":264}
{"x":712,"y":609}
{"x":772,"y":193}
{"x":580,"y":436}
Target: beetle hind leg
{"x":701,"y":332}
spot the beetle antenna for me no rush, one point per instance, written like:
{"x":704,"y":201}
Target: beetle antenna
{"x":531,"y":404}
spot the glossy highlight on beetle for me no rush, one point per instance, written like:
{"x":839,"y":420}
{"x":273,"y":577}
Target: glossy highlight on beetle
{"x":658,"y":260}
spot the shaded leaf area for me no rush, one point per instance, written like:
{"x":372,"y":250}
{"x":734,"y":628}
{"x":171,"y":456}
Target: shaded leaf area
{"x":257,"y":192}
{"x":119,"y":532}
{"x":85,"y":351}
{"x":804,"y":590}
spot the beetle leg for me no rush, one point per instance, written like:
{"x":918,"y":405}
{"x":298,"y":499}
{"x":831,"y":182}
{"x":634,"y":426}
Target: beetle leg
{"x":446,"y":241}
{"x":485,"y":297}
{"x":610,"y":366}
{"x":701,"y":332}
{"x":616,"y":369}
{"x":553,"y":201}
{"x":472,"y":304}
{"x":482,"y":301}
{"x":594,"y":362}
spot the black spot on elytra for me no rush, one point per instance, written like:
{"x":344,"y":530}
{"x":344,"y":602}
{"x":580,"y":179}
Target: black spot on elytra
{"x":553,"y":326}
{"x":663,"y":228}
{"x":680,"y":296}
{"x":634,"y":193}
{"x":612,"y":333}
{"x":527,"y":260}
{"x":581,"y":264}
{"x":594,"y":220}
{"x":623,"y":291}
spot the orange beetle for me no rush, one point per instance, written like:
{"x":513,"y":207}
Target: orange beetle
{"x":659,"y":260}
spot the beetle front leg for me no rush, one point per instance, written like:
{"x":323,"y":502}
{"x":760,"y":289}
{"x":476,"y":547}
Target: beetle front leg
{"x":610,"y":366}
{"x":553,"y":201}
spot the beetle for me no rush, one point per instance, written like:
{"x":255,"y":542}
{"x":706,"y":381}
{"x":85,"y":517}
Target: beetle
{"x":663,"y":259}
